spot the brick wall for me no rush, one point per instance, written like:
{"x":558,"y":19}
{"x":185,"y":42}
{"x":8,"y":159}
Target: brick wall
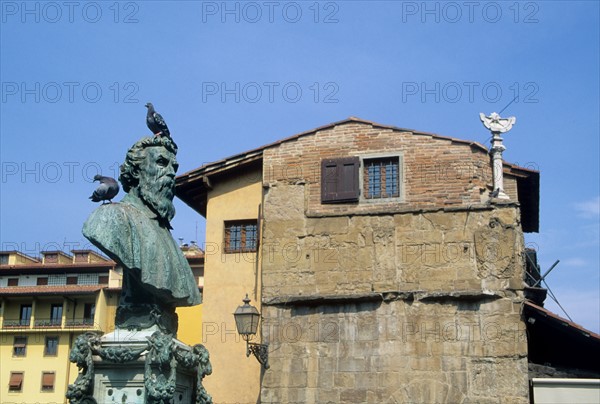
{"x":437,"y":172}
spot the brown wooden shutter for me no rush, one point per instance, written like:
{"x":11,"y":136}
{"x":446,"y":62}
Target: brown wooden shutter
{"x":42,"y":281}
{"x":102,"y":279}
{"x":339,"y":180}
{"x":16,"y":380}
{"x":13,"y":282}
{"x":48,"y":380}
{"x":71,"y":280}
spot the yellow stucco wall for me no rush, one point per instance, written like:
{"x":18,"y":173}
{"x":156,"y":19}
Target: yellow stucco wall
{"x":33,"y":364}
{"x":15,"y":258}
{"x":190,"y":324}
{"x":235,"y":378}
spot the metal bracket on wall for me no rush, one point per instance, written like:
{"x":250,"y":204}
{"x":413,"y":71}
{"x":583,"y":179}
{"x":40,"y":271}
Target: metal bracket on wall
{"x":260,"y":351}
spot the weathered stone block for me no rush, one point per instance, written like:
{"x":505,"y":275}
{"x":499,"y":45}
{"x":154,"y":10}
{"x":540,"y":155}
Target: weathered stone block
{"x":327,"y":226}
{"x":328,"y":396}
{"x":345,"y":380}
{"x":353,"y":396}
{"x":352,"y":365}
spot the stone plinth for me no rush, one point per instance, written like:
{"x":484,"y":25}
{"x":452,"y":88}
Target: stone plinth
{"x":124,"y":382}
{"x":146,"y":366}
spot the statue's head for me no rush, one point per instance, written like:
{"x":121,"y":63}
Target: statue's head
{"x":149,"y":172}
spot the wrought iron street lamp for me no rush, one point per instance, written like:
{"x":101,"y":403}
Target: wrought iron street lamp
{"x":246,"y":322}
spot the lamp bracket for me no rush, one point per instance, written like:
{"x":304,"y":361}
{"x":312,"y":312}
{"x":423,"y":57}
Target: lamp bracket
{"x":260,"y":351}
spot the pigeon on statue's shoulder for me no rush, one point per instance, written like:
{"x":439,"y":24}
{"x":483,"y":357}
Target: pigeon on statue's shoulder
{"x":106,"y":191}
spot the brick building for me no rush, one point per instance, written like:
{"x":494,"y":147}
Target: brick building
{"x":382,"y":268}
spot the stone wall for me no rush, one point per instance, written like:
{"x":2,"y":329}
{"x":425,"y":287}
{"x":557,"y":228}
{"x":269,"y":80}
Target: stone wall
{"x":412,"y":301}
{"x":446,"y":351}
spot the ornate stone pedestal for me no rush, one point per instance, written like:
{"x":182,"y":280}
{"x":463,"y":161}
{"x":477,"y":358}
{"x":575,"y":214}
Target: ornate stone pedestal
{"x":146,"y":366}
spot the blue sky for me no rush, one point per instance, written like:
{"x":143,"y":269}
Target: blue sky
{"x":229,"y":77}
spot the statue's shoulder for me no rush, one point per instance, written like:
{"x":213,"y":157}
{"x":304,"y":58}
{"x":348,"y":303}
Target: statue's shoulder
{"x":108,"y":218}
{"x":109,"y":212}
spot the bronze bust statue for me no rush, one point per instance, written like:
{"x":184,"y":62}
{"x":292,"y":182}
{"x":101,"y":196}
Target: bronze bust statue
{"x":136,"y":234}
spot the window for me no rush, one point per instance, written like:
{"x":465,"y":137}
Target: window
{"x":20,"y":346}
{"x":381,"y":178}
{"x":3,"y":259}
{"x":51,"y":258}
{"x":89,"y":309}
{"x":42,"y":281}
{"x":241,"y":236}
{"x":51,"y":346}
{"x":56,"y":314}
{"x":13,"y":282}
{"x":25,"y":316}
{"x":102,"y":279}
{"x":87,"y":279}
{"x":81,"y":257}
{"x":48,"y":381}
{"x":339,"y":180}
{"x":16,"y":381}
{"x":71,"y":280}
{"x":343,"y":181}
{"x":57,"y":280}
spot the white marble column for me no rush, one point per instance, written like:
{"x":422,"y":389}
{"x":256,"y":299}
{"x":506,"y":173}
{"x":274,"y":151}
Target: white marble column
{"x":497,"y":125}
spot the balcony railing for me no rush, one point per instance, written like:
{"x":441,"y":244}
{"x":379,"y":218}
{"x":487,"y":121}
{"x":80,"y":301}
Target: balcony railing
{"x":80,"y":323}
{"x":47,"y":323}
{"x":16,"y":323}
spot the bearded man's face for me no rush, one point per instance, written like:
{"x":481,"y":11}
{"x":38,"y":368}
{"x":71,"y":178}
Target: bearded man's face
{"x":157,"y":181}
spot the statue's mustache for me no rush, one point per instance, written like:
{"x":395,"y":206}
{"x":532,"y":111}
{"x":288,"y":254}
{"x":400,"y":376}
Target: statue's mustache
{"x":165,"y":184}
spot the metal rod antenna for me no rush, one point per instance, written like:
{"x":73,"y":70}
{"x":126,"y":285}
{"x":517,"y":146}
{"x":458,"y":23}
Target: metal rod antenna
{"x":556,"y":300}
{"x":547,"y":272}
{"x":516,"y":96}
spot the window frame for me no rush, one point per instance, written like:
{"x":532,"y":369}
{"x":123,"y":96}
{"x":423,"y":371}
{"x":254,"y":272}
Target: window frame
{"x":53,"y":337}
{"x":56,"y":320}
{"x":24,"y":347}
{"x":227,"y":224}
{"x":89,"y":309}
{"x":42,"y":385}
{"x":51,"y":258}
{"x":25,"y":321}
{"x":20,"y":385}
{"x":81,"y":257}
{"x":401,"y":185}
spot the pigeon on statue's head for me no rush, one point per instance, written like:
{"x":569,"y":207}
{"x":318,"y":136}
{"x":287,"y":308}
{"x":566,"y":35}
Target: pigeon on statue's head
{"x":155,"y":122}
{"x":106,"y":191}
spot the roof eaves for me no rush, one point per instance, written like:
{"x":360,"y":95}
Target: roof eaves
{"x":563,"y":321}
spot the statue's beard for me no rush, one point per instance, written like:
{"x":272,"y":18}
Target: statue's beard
{"x":158,"y":194}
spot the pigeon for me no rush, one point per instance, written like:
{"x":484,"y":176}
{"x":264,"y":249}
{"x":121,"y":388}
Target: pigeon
{"x":106,"y":191}
{"x":155,"y":122}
